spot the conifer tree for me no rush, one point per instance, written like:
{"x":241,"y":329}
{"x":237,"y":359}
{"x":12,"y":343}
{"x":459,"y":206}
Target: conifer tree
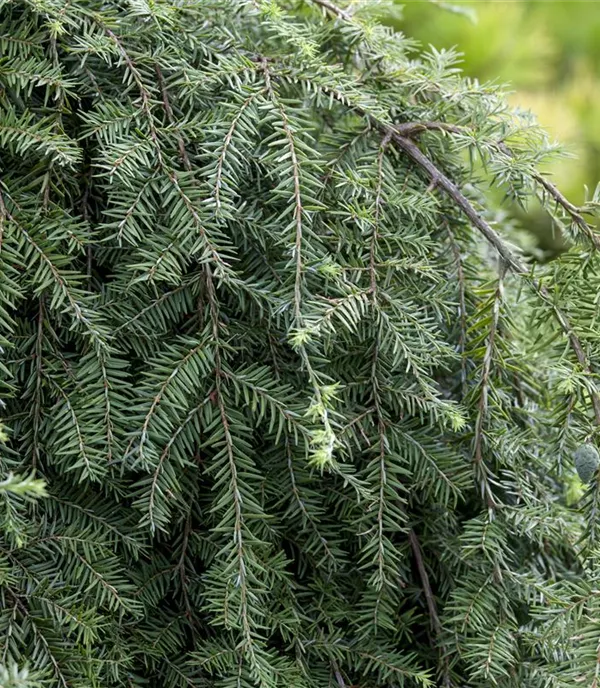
{"x":287,"y":406}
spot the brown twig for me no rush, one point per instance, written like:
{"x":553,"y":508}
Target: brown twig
{"x":434,"y":618}
{"x":338,"y":674}
{"x":462,"y":305}
{"x":181,"y":566}
{"x":429,"y":596}
{"x":413,"y":128}
{"x":378,"y":204}
{"x":334,"y":9}
{"x":479,"y":465}
{"x":37,"y":404}
{"x":410,"y":129}
{"x":44,"y":641}
{"x":572,"y":210}
{"x":440,"y":180}
{"x":574,"y":342}
{"x":569,"y":208}
{"x":169,"y":112}
{"x":487,"y":366}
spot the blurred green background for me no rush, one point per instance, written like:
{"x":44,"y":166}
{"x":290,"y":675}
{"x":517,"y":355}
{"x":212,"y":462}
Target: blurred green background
{"x":548,"y":53}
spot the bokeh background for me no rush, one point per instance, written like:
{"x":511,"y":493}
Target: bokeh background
{"x":548,"y":53}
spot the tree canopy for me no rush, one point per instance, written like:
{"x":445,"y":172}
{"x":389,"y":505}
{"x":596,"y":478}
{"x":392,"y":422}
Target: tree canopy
{"x":286,"y":404}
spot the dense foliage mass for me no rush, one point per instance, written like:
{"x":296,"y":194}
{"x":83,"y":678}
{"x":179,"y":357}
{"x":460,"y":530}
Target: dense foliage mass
{"x":303,"y":416}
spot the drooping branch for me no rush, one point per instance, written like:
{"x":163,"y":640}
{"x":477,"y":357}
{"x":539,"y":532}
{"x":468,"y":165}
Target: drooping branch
{"x":393,"y":132}
{"x":460,"y":200}
{"x":146,"y":102}
{"x":574,"y":341}
{"x":449,"y":187}
{"x":439,"y":179}
{"x":569,"y":208}
{"x":572,"y":210}
{"x":410,"y":129}
{"x":511,"y":260}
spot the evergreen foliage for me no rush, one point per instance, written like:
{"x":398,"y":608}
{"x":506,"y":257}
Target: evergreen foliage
{"x":303,"y":416}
